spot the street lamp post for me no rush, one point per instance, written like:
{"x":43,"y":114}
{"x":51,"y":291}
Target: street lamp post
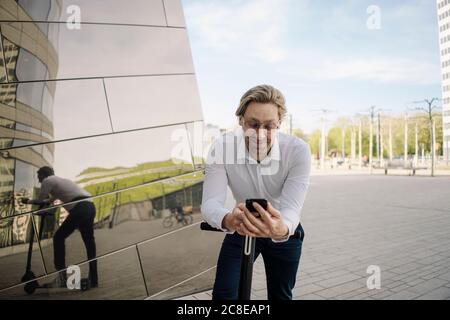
{"x":322,"y":146}
{"x":390,"y":141}
{"x":433,"y":145}
{"x":378,"y":138}
{"x":381,"y":145}
{"x":360,"y":143}
{"x":406,"y":142}
{"x":353,"y":143}
{"x":372,"y":111}
{"x":447,"y":150}
{"x":429,"y":110}
{"x":416,"y":153}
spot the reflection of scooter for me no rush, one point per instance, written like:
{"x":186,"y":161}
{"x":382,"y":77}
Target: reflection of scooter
{"x":31,"y":286}
{"x":247,"y":257}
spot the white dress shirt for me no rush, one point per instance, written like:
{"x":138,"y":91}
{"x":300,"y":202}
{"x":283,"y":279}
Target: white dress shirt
{"x":282,"y":177}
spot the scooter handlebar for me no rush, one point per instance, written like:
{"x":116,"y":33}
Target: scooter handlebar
{"x":206,"y":227}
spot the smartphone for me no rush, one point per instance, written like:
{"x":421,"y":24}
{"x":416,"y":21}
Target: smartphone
{"x":249,"y":205}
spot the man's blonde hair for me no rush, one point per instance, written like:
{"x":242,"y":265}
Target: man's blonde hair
{"x":263,"y":94}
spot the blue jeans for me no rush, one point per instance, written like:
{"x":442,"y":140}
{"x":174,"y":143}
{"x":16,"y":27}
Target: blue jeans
{"x":281,"y":261}
{"x":80,"y":217}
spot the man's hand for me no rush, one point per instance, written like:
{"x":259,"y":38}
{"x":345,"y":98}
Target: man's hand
{"x":24,"y":200}
{"x":233,"y":219}
{"x":268,"y":225}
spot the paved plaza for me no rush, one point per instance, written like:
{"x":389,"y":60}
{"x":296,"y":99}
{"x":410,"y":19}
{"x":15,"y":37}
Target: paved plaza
{"x":399,"y":223}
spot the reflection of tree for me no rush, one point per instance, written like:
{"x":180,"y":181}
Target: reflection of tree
{"x":102,"y":179}
{"x":99,"y":181}
{"x":149,"y":201}
{"x":6,"y":232}
{"x":15,"y":230}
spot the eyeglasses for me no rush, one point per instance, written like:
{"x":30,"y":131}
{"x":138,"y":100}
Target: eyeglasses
{"x":255,"y":125}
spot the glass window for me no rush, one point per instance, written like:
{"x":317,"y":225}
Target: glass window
{"x":25,"y":179}
{"x":29,"y":67}
{"x":37,"y":10}
{"x":7,"y":123}
{"x":20,"y":126}
{"x":31,"y":94}
{"x":27,"y":36}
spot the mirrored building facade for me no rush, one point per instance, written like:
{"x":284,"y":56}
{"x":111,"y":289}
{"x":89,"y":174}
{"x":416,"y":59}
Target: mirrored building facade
{"x":443,"y":11}
{"x":105,"y":93}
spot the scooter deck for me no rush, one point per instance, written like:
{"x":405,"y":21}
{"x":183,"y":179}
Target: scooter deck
{"x":32,"y":286}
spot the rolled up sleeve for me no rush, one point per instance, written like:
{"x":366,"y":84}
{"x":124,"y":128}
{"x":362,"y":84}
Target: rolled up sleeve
{"x":214,"y":190}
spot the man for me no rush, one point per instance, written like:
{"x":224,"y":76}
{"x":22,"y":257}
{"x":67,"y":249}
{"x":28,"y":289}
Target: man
{"x":268,"y":165}
{"x":81,"y":216}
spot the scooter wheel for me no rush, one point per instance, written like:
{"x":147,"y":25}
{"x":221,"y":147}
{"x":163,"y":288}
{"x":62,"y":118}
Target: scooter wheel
{"x":30,"y":287}
{"x":85,"y":284}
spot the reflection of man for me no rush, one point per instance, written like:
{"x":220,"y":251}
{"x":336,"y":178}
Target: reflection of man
{"x":81,"y":216}
{"x":284,"y":186}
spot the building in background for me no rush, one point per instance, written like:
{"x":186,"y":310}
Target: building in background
{"x":444,"y":43}
{"x":109,"y":98}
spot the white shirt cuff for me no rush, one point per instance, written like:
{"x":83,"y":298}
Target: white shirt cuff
{"x":217,"y":219}
{"x":286,"y":238}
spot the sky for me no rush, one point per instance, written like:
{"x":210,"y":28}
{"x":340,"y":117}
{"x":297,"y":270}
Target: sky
{"x":340,"y":55}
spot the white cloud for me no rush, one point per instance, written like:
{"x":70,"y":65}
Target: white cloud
{"x":251,"y":28}
{"x":258,"y":31}
{"x":380,"y":69}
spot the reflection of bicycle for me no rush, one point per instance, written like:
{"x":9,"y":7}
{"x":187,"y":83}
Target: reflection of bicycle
{"x":178,"y":215}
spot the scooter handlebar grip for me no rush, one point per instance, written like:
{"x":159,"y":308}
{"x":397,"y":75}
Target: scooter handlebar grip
{"x":206,"y":227}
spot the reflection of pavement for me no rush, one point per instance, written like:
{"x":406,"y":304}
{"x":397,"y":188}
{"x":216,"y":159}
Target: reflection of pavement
{"x":167,"y":260}
{"x":120,"y":276}
{"x":400,"y":224}
{"x":107,"y":240}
